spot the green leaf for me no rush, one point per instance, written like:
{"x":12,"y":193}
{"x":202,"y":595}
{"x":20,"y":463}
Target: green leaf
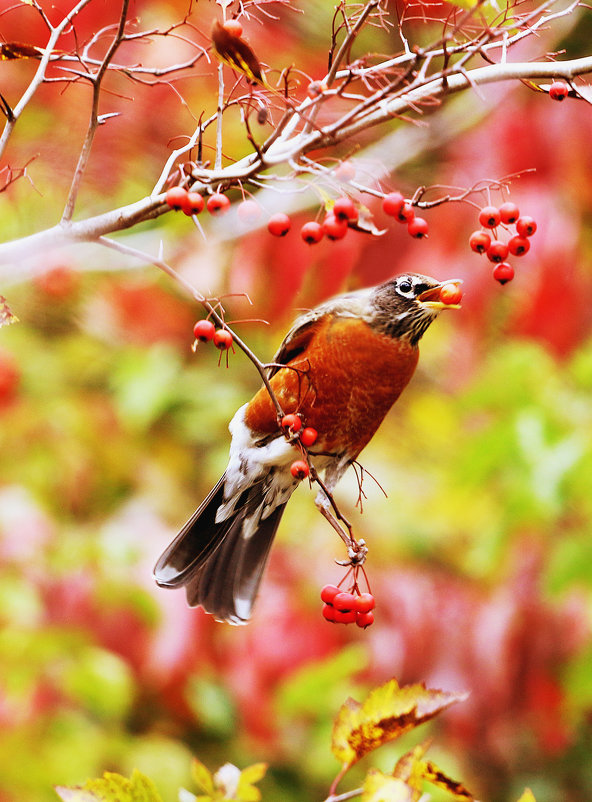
{"x":144,"y":384}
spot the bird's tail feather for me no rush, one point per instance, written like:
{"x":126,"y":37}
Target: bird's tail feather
{"x":221,"y":567}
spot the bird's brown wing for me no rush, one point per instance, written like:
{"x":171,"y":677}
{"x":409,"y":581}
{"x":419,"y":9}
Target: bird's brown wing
{"x":295,"y":342}
{"x":298,"y":338}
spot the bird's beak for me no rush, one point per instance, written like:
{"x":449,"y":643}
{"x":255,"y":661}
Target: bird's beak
{"x":432,"y":299}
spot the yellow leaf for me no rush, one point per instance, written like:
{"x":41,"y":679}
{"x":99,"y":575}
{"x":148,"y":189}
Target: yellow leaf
{"x":379,"y":787}
{"x":433,"y":774}
{"x":202,"y":776}
{"x":410,"y":769}
{"x":387,"y":713}
{"x":527,"y":796}
{"x":112,"y":787}
{"x":246,"y":791}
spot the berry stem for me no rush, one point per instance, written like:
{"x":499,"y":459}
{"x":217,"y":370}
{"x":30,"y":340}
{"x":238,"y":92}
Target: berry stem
{"x":190,"y":289}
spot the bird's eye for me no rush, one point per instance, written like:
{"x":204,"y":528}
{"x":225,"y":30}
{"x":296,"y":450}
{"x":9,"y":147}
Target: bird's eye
{"x":405,"y":286}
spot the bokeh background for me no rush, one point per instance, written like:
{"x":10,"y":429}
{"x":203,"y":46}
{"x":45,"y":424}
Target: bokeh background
{"x":112,"y":431}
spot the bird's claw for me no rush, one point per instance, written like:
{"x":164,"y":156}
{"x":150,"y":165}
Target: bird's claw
{"x":357,"y":552}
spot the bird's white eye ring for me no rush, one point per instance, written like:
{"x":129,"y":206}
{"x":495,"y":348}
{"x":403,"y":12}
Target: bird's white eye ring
{"x":405,"y":286}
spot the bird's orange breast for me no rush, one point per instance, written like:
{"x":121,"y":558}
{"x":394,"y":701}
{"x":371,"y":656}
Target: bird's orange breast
{"x":342,"y":384}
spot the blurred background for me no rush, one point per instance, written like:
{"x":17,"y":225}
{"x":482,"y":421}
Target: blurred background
{"x":112,"y":431}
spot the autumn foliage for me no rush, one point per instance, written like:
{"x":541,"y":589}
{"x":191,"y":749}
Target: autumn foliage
{"x":112,"y":427}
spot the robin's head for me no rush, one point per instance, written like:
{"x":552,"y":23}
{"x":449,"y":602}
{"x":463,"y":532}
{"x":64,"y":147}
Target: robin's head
{"x":405,"y":306}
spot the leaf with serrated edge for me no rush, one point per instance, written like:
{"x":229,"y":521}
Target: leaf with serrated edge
{"x":379,"y":787}
{"x":112,"y":788}
{"x":143,"y":788}
{"x":527,"y":796}
{"x":202,"y":776}
{"x":387,"y":713}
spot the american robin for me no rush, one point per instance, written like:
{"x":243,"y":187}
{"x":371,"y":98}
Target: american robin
{"x":340,"y":368}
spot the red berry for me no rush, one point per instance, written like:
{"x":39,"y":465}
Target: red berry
{"x":333,"y":228}
{"x":526,"y":226}
{"x":223,"y":339}
{"x":58,"y":282}
{"x":10,"y":377}
{"x":233,"y":27}
{"x":312,"y":232}
{"x":175,"y":197}
{"x":503,"y":272}
{"x":509,"y":212}
{"x":518,"y":246}
{"x":291,"y":422}
{"x":344,"y":601}
{"x":299,"y":469}
{"x":497,"y":251}
{"x":345,"y":209}
{"x":315,"y":88}
{"x":248,"y":212}
{"x":450,"y":294}
{"x":193,"y":203}
{"x":418,"y":228}
{"x":279,"y":224}
{"x":346,"y":171}
{"x":392,"y":204}
{"x":364,"y":603}
{"x":308,"y":436}
{"x":345,"y":616}
{"x":328,"y":593}
{"x":204,"y":331}
{"x":406,"y":213}
{"x":329,"y":613}
{"x":479,"y":241}
{"x":490,"y":216}
{"x":558,"y":90}
{"x":364,"y":620}
{"x":217,"y":203}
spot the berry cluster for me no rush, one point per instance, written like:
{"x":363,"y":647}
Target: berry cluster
{"x":192,"y":203}
{"x":205,"y":332}
{"x":486,"y":241}
{"x":291,"y":425}
{"x":395,"y":205}
{"x":341,"y":214}
{"x":347,"y":607}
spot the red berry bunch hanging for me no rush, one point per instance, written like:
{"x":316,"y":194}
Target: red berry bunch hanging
{"x":347,"y":607}
{"x":486,"y":241}
{"x":205,"y":331}
{"x":395,"y":205}
{"x":180,"y":200}
{"x":192,"y":203}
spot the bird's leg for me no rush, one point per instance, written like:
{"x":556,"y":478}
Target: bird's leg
{"x":356,"y":549}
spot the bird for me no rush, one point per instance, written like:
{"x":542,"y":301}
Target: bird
{"x":340,"y":368}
